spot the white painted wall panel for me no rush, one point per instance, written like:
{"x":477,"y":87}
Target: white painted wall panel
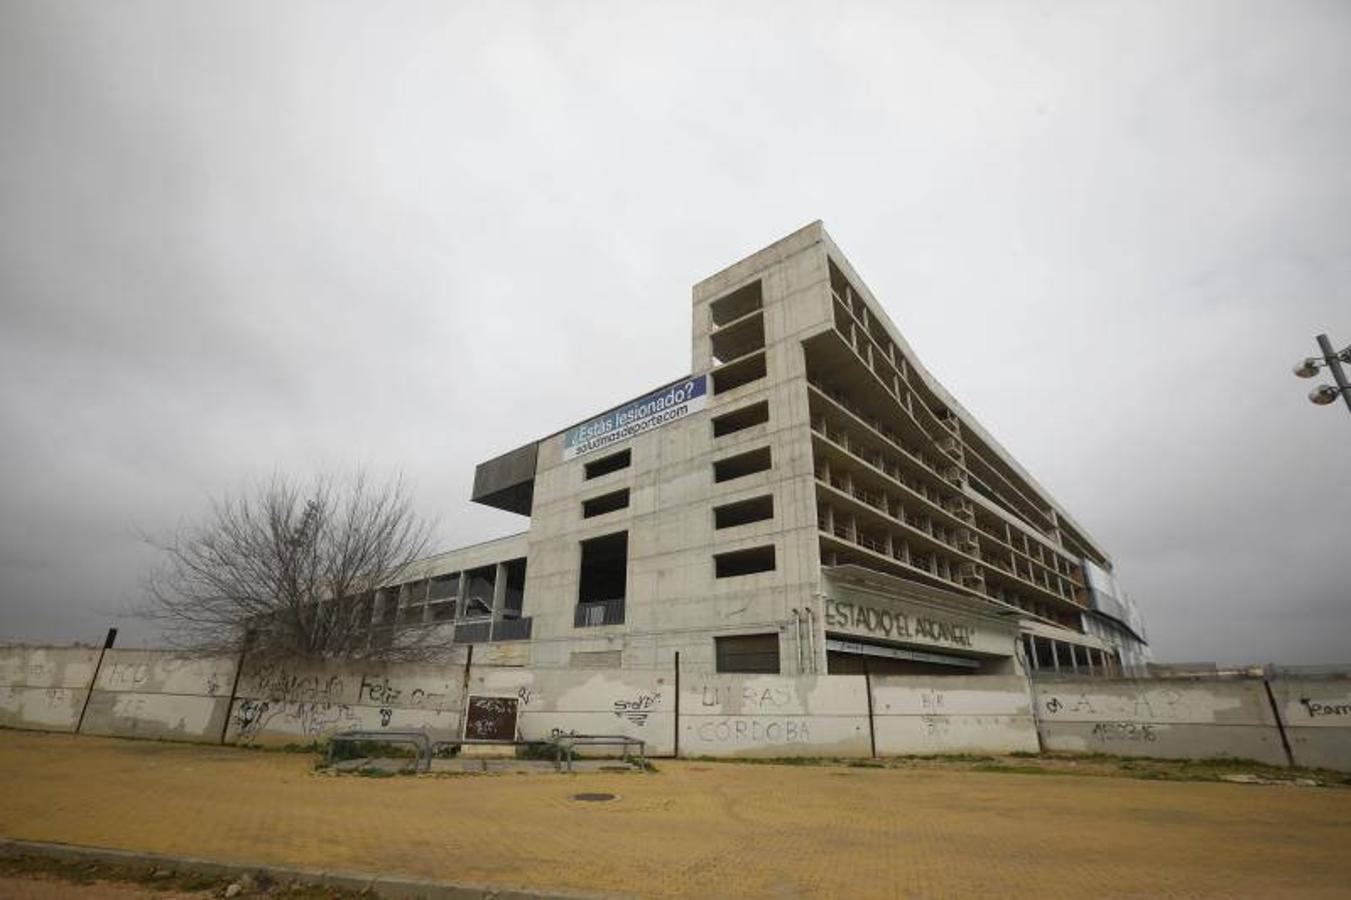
{"x":44,"y":688}
{"x":1170,"y":718}
{"x":774,"y":715}
{"x":40,"y":708}
{"x":953,"y":714}
{"x":1317,"y":718}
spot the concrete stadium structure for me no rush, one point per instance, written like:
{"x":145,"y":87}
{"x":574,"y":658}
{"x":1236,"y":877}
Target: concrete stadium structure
{"x":809,"y":501}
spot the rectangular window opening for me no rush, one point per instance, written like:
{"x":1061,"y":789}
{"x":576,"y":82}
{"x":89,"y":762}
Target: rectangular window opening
{"x":604,"y":578}
{"x":737,"y":340}
{"x":605,"y":503}
{"x":480,"y":584}
{"x":607,"y":464}
{"x":741,"y":302}
{"x":388,"y":604}
{"x":445,"y":587}
{"x":743,"y":512}
{"x":742,"y":464}
{"x":739,"y":373}
{"x":751,"y":653}
{"x":741,"y":419}
{"x":514,"y":599}
{"x":838,"y":283}
{"x":743,"y":562}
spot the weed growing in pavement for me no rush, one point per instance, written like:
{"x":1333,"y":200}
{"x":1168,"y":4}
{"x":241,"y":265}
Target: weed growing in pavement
{"x":160,"y":877}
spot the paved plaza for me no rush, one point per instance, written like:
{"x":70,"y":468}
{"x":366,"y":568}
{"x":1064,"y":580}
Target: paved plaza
{"x":691,"y":828}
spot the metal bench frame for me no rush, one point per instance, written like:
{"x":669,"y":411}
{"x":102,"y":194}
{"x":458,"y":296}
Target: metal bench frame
{"x":421,"y":742}
{"x":564,"y":745}
{"x":568,"y":743}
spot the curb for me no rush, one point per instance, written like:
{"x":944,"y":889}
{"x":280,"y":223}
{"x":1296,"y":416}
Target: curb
{"x":389,"y":886}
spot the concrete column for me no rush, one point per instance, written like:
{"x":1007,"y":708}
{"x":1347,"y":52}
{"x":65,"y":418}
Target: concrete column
{"x":499,"y":590}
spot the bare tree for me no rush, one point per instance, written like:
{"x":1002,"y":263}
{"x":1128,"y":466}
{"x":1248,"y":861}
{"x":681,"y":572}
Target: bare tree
{"x":296,"y":569}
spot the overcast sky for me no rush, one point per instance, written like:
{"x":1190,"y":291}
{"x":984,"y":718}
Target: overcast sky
{"x":245,"y":237}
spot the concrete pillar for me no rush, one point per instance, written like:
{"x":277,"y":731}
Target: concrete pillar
{"x":499,"y":590}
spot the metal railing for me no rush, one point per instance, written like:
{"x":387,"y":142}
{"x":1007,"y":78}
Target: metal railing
{"x":473,"y":632}
{"x":484,"y":630}
{"x":599,"y":612}
{"x":512,"y":629}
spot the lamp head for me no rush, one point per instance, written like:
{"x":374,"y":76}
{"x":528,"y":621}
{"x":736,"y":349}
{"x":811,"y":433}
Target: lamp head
{"x":1324,"y":394}
{"x":1308,"y":368}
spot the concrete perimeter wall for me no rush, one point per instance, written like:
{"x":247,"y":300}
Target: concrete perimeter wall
{"x":1316,"y":713}
{"x":774,"y":715}
{"x":159,"y":694}
{"x":552,"y":702}
{"x":953,"y":714}
{"x":280,"y":703}
{"x":1171,"y":718}
{"x":154,"y":694}
{"x":44,"y":688}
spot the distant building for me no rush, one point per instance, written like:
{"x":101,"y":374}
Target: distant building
{"x":810,"y":500}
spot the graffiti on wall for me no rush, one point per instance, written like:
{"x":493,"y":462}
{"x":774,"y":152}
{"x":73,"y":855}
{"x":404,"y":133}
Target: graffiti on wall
{"x":1137,"y":732}
{"x":386,"y":692}
{"x":1316,"y":709}
{"x":277,"y":682}
{"x":752,"y":731}
{"x":166,"y":674}
{"x":310,"y":703}
{"x":638,"y":709}
{"x":1162,"y":704}
{"x":747,"y":697}
{"x":311,"y":719}
{"x":756,"y":714}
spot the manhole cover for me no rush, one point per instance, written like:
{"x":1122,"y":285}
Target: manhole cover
{"x":593,"y":798}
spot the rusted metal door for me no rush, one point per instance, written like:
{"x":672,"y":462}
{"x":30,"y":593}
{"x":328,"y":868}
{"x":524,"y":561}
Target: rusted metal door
{"x":491,"y":719}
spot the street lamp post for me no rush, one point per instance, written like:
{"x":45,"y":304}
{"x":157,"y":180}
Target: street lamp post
{"x":1333,"y":359}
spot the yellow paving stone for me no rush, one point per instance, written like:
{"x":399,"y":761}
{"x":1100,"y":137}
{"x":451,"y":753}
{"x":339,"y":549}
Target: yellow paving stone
{"x":693,"y":828}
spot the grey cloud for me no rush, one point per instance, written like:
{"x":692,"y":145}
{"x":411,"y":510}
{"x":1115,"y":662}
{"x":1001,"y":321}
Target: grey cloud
{"x":247,"y":237}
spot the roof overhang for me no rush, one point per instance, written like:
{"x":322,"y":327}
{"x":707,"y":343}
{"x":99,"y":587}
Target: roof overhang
{"x":508,"y":481}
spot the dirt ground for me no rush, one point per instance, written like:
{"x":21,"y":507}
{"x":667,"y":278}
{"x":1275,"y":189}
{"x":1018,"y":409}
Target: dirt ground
{"x":50,"y":889}
{"x":693,"y":828}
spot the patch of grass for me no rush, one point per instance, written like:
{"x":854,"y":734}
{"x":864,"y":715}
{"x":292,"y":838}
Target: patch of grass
{"x":163,"y":878}
{"x":35,"y":866}
{"x":949,"y":757}
{"x":772,"y":760}
{"x":644,"y":764}
{"x":1013,"y":769}
{"x":343,"y":750}
{"x":539,"y":750}
{"x":1062,"y":763}
{"x":311,"y":747}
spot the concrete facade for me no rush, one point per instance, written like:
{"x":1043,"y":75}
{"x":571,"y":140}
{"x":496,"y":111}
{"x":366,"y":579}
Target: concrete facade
{"x":809,"y":486}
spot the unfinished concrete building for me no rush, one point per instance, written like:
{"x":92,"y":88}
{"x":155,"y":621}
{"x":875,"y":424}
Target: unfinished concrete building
{"x":809,"y":500}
